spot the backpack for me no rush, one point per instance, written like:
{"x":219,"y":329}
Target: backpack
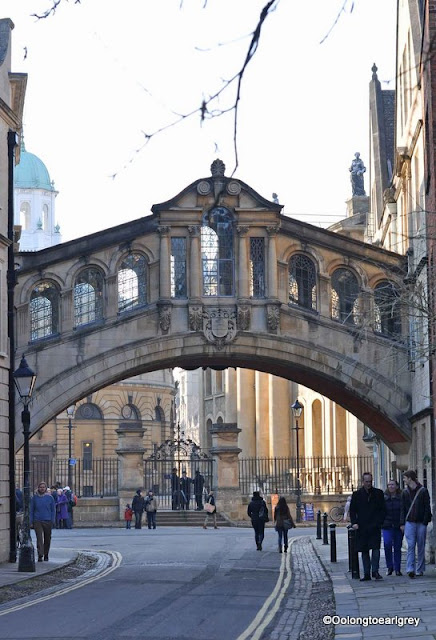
{"x":263,"y":512}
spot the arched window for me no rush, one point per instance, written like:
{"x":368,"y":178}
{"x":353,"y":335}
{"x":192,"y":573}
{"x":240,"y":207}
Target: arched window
{"x":387,"y":309}
{"x":345,"y":297}
{"x":88,"y":297}
{"x":25,"y":216}
{"x":130,"y":412}
{"x":132,"y":282}
{"x":45,"y":221}
{"x":217,"y":252}
{"x":44,"y":311}
{"x":302,"y":282}
{"x":88,"y":411}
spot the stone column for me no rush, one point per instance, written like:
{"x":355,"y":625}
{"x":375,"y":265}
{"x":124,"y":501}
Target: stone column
{"x":231,"y":410}
{"x":246,"y":412}
{"x":243,"y":273}
{"x":164,"y":264}
{"x":262,"y":415}
{"x":272,"y":262}
{"x":195,"y":263}
{"x":225,"y":452}
{"x":279,"y":412}
{"x":130,"y":453}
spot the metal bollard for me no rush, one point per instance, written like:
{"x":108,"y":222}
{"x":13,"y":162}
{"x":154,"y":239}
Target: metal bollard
{"x":318,"y":525}
{"x":325,"y":539}
{"x":333,"y":557}
{"x":349,"y":547}
{"x":353,"y":560}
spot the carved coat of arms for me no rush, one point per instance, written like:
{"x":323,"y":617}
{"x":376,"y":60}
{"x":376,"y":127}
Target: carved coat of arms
{"x":219,"y":326}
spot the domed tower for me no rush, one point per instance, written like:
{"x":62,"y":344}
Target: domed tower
{"x":35,"y":195}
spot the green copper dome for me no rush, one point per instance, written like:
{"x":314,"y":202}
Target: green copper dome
{"x":31,"y":172}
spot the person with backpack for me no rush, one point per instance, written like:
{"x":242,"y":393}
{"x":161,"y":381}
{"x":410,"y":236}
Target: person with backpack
{"x":258,"y":513}
{"x":151,"y":505}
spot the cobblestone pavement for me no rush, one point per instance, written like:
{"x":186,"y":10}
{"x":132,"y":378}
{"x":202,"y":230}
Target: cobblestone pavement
{"x":309,"y":598}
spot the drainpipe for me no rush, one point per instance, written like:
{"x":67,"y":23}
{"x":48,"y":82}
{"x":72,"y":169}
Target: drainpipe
{"x":12,"y":143}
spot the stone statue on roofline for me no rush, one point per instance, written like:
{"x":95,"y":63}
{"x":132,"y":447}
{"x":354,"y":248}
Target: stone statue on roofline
{"x":357,"y":170}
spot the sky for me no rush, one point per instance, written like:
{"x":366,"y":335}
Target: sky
{"x":103,"y":72}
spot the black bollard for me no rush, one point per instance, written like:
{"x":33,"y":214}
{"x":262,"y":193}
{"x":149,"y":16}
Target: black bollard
{"x":354,"y":556}
{"x":332,"y":527}
{"x":349,"y":547}
{"x":318,"y":525}
{"x":325,"y":539}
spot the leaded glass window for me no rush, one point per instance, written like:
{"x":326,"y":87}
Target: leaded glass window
{"x":178,"y":268}
{"x":88,"y":297}
{"x":345,"y":297}
{"x":44,"y":311}
{"x":387,"y":309}
{"x":217,"y":252}
{"x":257,"y":267}
{"x":132,"y":282}
{"x":302,"y":282}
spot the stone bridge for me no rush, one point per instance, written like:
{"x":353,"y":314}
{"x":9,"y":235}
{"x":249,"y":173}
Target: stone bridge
{"x":217,"y":276}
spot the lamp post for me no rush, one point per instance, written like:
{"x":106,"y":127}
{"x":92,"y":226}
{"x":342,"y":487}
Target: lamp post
{"x":297,"y":408}
{"x":70,"y":413}
{"x":25,"y":379}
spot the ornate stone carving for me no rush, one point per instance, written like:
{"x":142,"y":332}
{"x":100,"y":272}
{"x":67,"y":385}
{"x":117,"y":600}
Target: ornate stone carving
{"x":244,"y":314}
{"x":273,"y":230}
{"x":196,"y":318}
{"x":272,"y":317}
{"x":194,"y":229}
{"x":204,"y":187}
{"x":357,"y":170}
{"x":163,"y":230}
{"x":243,"y":230}
{"x":217,"y":168}
{"x":165,"y":317}
{"x":233,"y":188}
{"x":219,"y":326}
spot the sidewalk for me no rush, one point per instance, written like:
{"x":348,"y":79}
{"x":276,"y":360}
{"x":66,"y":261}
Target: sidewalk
{"x":393,"y":596}
{"x":59,"y":557}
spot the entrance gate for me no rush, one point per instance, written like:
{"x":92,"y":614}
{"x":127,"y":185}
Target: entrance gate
{"x":163,"y":474}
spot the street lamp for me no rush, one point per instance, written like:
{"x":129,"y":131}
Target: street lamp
{"x":70,"y":413}
{"x":297,"y":408}
{"x":25,"y":379}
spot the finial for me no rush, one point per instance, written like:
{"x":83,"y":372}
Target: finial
{"x":217,"y":168}
{"x":374,"y":71}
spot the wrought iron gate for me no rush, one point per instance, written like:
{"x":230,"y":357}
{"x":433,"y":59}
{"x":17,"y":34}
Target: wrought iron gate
{"x":163,"y":474}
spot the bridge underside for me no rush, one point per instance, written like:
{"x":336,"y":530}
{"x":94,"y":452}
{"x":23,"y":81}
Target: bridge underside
{"x":380,"y":404}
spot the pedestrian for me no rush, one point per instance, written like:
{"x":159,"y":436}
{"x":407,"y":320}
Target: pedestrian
{"x":198,"y":489}
{"x":414,"y":518}
{"x":42,"y":519}
{"x":71,"y":503}
{"x":258,"y":512}
{"x":392,"y":534}
{"x":210,"y":510}
{"x":151,"y":506}
{"x":185,"y":490}
{"x":284,"y":522}
{"x":128,"y":515}
{"x":138,"y":505}
{"x":347,"y":509}
{"x":175,"y":490}
{"x":367,"y":514}
{"x":61,"y":509}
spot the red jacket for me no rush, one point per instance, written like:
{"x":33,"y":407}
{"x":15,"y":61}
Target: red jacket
{"x":128,"y":513}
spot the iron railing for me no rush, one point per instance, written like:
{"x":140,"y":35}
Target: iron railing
{"x":318,"y":475}
{"x":96,"y":478}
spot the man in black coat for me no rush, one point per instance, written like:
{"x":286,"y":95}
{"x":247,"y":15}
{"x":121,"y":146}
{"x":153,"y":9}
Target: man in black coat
{"x":198,"y":489}
{"x":367,"y":514}
{"x":185,"y":490}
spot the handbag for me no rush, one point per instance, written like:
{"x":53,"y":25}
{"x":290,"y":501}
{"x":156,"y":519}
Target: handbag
{"x":210,"y":508}
{"x":288,"y":524}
